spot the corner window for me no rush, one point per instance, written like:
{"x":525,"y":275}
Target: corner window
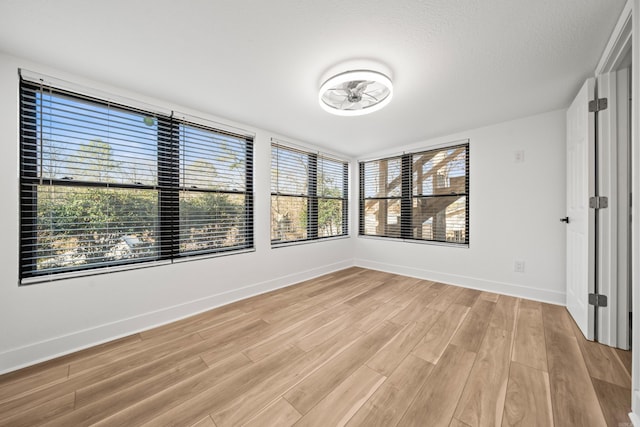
{"x":417,"y":196}
{"x":309,"y":195}
{"x":105,"y":185}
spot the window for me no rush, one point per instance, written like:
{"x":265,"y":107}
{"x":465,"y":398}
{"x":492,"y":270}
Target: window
{"x":418,"y":196}
{"x":103,"y":184}
{"x":309,"y":195}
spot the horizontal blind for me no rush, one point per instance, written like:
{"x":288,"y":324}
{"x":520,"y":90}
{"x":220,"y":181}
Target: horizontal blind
{"x":309,"y":195}
{"x":440,"y":184}
{"x":103,"y":184}
{"x":89,"y":195}
{"x":332,"y":190}
{"x":382,"y":190}
{"x":215,"y":195}
{"x":420,"y":196}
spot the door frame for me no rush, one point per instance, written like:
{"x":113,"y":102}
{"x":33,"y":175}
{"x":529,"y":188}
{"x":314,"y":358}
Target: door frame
{"x":610,"y":323}
{"x":631,"y":12}
{"x":624,"y":39}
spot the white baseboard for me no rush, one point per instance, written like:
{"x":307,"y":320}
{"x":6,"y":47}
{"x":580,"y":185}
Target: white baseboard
{"x":634,"y":416}
{"x":17,"y":358}
{"x":468,"y":282}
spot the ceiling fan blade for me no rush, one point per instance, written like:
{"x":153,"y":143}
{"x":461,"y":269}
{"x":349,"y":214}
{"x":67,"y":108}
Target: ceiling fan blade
{"x":362,"y":85}
{"x":374,"y":99}
{"x":346,"y":101}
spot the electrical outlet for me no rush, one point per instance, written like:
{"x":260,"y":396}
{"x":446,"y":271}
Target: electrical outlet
{"x":518,"y":266}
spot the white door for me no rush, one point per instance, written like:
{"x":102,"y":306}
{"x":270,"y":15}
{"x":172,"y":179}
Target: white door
{"x":580,"y":226}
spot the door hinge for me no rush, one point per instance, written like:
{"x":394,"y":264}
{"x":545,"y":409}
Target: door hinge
{"x":598,"y":300}
{"x":598,"y":105}
{"x":598,"y":202}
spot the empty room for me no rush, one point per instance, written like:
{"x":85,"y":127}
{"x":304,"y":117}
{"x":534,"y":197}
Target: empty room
{"x":296,"y":213}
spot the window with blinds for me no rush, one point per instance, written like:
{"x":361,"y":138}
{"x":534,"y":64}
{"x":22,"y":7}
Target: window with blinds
{"x":417,"y":196}
{"x":104,"y":184}
{"x":309,"y":195}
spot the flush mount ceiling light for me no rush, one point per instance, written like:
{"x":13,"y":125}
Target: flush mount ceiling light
{"x":354,"y":93}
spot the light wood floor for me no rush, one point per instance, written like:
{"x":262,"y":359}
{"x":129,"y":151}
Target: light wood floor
{"x":356,"y":347}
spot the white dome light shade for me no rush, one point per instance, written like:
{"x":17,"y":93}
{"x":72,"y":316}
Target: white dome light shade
{"x":354,"y":93}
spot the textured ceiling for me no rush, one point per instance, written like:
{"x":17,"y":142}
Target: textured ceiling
{"x":456,"y":64}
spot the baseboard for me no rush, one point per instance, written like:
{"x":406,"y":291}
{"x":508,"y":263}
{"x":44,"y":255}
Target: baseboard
{"x":519,"y":291}
{"x":59,"y":346}
{"x":635,"y":404}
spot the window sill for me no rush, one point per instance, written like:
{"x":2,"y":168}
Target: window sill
{"x":118,"y":268}
{"x":304,"y":242}
{"x":416,"y":241}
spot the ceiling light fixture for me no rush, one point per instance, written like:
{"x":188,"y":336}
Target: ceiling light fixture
{"x":354,"y":93}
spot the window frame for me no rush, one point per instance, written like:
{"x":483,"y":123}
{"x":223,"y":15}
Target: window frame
{"x":167,"y":185}
{"x":312,"y":196}
{"x":407,"y":196}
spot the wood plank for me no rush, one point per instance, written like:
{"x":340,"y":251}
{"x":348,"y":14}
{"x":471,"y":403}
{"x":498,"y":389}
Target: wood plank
{"x":135,"y":355}
{"x":445,"y":298}
{"x":389,"y":403}
{"x":467,"y":297}
{"x":482,"y":401}
{"x":602,"y":361}
{"x":529,"y":346}
{"x":437,"y":399}
{"x":505,"y":313}
{"x":388,"y":359}
{"x":37,"y":415}
{"x":198,"y":322}
{"x":335,"y":287}
{"x":87,"y":353}
{"x":370,"y":295}
{"x":121,"y":381}
{"x":574,"y":400}
{"x":13,"y":387}
{"x":123,"y":398}
{"x":474,"y":326}
{"x":344,"y":292}
{"x":101,"y":372}
{"x":233,"y":342}
{"x":528,"y":401}
{"x":170,"y":397}
{"x":344,"y":401}
{"x":557,"y":318}
{"x":415,"y":309}
{"x":431,"y":347}
{"x":294,"y":333}
{"x":205,"y":422}
{"x":293,"y":314}
{"x":625,"y":359}
{"x":215,"y":396}
{"x":489,"y":296}
{"x":382,"y":312}
{"x":457,"y":423}
{"x":322,"y":334}
{"x":316,"y":386}
{"x":245,"y":406}
{"x":278,"y":414}
{"x":615,"y":402}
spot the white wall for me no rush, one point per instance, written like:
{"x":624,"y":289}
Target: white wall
{"x":44,"y":320}
{"x":514,"y":214}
